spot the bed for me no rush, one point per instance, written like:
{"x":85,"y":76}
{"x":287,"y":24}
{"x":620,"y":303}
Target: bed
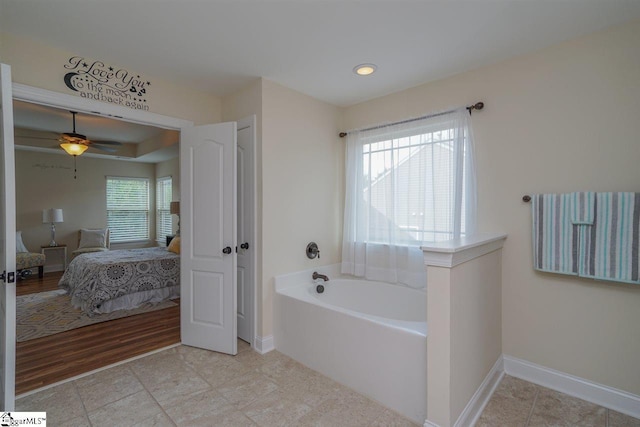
{"x":103,"y":282}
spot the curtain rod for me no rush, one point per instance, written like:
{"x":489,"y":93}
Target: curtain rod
{"x":476,"y":106}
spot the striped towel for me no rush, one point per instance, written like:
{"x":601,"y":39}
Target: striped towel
{"x":555,"y":240}
{"x":610,"y":247}
{"x":582,"y":208}
{"x":594,"y":235}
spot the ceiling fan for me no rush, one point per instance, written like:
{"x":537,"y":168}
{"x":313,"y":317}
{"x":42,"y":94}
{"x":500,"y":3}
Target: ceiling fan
{"x":76,"y":143}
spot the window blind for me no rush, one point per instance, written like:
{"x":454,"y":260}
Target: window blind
{"x":163,"y":215}
{"x":128,"y":209}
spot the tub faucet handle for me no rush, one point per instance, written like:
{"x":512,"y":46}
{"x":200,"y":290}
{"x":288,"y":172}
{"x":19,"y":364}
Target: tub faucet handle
{"x":317,"y":276}
{"x":312,"y":250}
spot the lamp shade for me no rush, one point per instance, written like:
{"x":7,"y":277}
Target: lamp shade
{"x":51,"y":215}
{"x":174,"y":208}
{"x":74,"y":148}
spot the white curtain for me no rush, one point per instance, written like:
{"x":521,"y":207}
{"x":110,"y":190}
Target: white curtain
{"x":406,"y":185}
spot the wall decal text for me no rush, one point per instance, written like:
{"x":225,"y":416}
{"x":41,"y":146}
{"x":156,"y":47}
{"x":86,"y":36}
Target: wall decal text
{"x":45,"y":166}
{"x":98,"y":81}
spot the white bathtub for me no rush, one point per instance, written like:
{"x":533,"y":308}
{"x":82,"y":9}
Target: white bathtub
{"x":370,"y":336}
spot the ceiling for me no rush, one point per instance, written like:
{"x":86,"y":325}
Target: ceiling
{"x":306,"y":45}
{"x":37,"y":128}
{"x":39,"y":117}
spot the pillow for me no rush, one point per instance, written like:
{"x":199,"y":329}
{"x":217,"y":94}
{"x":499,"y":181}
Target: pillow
{"x":174,"y":246}
{"x":20,"y":247}
{"x":93,"y":238}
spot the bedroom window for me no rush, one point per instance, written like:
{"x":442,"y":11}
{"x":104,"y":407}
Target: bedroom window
{"x":128,"y":209}
{"x":163,"y":215}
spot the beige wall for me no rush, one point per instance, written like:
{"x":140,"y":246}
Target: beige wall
{"x":562,"y":119}
{"x":46,"y":180}
{"x":302,"y":185}
{"x":464,"y":323}
{"x":476,"y":326}
{"x":439,"y":346}
{"x":41,"y":66}
{"x":300,"y":180}
{"x":244,"y":103}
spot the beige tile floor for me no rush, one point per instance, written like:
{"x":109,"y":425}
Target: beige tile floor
{"x":520,"y":403}
{"x":184,"y":386}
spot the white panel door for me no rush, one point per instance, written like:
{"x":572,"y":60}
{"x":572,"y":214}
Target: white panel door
{"x":246,"y":228}
{"x":208,"y":237}
{"x":7,"y":245}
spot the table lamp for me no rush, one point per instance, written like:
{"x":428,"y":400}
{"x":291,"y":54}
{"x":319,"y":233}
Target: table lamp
{"x":52,"y":216}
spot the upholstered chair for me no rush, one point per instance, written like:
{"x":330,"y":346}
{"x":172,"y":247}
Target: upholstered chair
{"x":92,"y":240}
{"x":26,"y":260}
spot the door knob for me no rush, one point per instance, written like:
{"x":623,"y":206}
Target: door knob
{"x":227,"y":250}
{"x":245,"y":245}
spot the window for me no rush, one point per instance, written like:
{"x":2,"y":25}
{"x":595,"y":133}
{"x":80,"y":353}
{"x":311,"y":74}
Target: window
{"x":408,"y":188}
{"x":163,"y":215}
{"x":128,"y":209}
{"x":408,"y":184}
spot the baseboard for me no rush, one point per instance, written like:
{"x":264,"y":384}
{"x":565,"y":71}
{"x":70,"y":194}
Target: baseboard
{"x":599,"y":394}
{"x":480,"y":398}
{"x":264,"y":344}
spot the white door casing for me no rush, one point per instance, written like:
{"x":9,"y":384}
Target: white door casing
{"x":246,"y":228}
{"x":208,"y":260}
{"x":7,"y":245}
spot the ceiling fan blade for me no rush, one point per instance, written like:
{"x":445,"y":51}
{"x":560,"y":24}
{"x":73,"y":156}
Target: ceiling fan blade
{"x":37,"y":137}
{"x":106,"y":142}
{"x":105,"y":149}
{"x":77,"y":138}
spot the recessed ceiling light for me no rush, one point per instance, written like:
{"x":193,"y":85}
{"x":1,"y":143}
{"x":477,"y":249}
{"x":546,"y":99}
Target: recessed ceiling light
{"x":365,"y":69}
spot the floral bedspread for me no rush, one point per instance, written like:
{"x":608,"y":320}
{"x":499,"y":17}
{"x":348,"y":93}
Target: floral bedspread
{"x":96,"y":277}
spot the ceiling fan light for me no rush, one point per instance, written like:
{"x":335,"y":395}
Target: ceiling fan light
{"x":74,"y":149}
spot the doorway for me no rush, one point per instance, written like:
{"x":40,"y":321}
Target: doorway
{"x":67,"y":102}
{"x":55,"y":341}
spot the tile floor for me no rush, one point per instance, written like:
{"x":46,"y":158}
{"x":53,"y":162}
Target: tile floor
{"x":184,"y":386}
{"x":520,"y":403}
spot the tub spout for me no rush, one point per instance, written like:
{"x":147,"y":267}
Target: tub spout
{"x":317,"y":275}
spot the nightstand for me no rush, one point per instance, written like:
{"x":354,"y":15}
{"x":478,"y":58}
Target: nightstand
{"x":56,"y":257}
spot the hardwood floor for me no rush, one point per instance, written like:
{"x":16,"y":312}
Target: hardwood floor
{"x":33,"y":284}
{"x":47,"y":360}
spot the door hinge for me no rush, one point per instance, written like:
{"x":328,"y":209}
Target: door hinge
{"x":8,"y":277}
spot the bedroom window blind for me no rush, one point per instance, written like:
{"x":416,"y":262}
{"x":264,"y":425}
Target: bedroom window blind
{"x":163,"y":215}
{"x":128,"y":209}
